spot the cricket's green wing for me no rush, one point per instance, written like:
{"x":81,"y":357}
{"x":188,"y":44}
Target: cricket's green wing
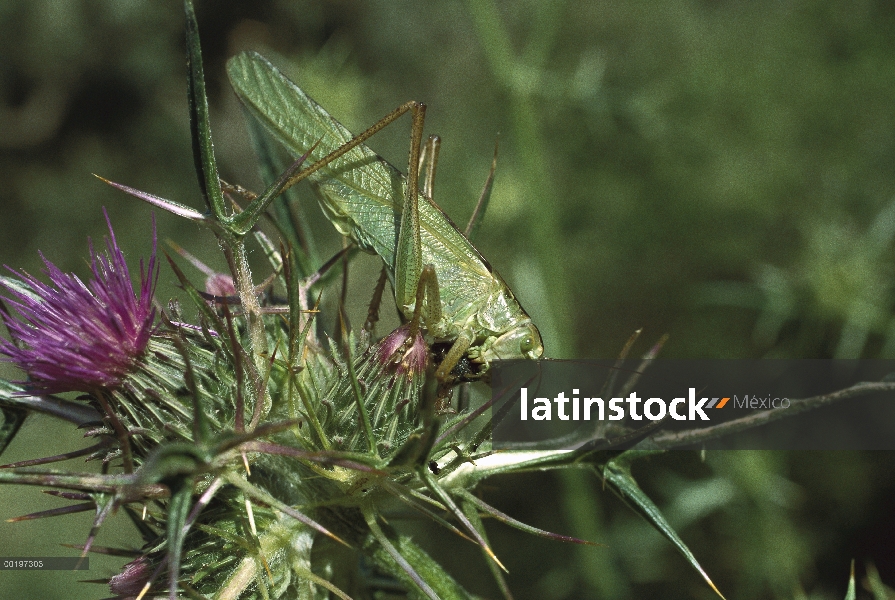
{"x":359,"y":192}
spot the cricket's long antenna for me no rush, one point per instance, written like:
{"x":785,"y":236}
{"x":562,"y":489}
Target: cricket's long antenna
{"x":359,"y":139}
{"x":478,"y":214}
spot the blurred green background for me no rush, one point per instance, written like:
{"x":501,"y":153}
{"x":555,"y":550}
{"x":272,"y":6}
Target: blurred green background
{"x":720,"y":171}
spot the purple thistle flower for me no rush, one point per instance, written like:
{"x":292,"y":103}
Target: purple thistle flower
{"x":69,"y":336}
{"x":133,"y":577}
{"x":408,"y":357}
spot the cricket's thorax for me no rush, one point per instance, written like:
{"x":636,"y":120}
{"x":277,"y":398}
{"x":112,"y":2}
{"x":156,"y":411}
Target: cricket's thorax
{"x":498,"y":325}
{"x":474,"y":298}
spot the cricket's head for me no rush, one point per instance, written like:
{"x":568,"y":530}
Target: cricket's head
{"x":522,"y":341}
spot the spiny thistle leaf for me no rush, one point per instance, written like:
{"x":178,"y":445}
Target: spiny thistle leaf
{"x":505,"y":518}
{"x":104,"y":505}
{"x":618,"y":472}
{"x":472,"y":514}
{"x":399,"y":556}
{"x":89,"y":482}
{"x":442,"y":495}
{"x":851,"y":594}
{"x":55,"y":512}
{"x":177,"y":512}
{"x":200,"y":127}
{"x":57,"y":458}
{"x":169,"y":205}
{"x":15,"y":397}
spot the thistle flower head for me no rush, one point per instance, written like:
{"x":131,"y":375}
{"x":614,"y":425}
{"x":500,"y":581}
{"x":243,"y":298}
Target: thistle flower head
{"x":410,"y":357}
{"x":72,"y":336}
{"x":132,"y":578}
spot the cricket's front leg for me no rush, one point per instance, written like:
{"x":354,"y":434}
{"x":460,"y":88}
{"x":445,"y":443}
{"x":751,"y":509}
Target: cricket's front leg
{"x":409,"y":251}
{"x":412,"y":278}
{"x":427,"y":310}
{"x":427,"y":305}
{"x":456,"y":352}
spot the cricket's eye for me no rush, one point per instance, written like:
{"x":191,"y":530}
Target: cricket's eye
{"x":526,"y":344}
{"x":523,"y":341}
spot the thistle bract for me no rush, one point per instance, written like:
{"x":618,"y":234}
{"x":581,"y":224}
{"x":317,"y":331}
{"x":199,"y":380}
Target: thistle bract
{"x":72,"y":336}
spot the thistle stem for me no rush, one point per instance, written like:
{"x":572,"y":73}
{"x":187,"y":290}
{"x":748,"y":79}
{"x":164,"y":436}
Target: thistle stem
{"x":242,"y":278}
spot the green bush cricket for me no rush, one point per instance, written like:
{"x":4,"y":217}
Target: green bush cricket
{"x":437,"y":274}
